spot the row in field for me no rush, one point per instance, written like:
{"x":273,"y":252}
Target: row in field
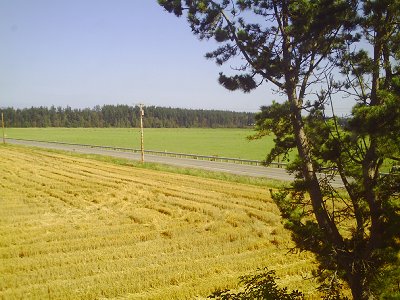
{"x":90,"y":229}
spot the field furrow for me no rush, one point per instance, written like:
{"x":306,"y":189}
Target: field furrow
{"x":77,"y":228}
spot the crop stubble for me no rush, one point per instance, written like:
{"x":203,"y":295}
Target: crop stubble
{"x":78,"y":228}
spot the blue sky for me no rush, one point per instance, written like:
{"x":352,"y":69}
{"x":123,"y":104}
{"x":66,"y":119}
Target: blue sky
{"x":84,"y":53}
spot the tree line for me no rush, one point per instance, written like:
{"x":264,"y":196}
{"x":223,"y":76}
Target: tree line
{"x":124,"y":116}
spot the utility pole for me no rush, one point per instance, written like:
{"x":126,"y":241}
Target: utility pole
{"x":2,"y":125}
{"x":141,"y":131}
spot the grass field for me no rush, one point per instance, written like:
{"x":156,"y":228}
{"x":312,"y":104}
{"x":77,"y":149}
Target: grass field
{"x":221,"y":142}
{"x":74,"y":228}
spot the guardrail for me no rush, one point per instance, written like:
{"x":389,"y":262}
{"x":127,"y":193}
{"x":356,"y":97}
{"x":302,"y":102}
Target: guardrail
{"x":165,"y":153}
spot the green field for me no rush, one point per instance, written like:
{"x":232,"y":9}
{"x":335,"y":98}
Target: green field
{"x":88,"y":229}
{"x":221,"y":142}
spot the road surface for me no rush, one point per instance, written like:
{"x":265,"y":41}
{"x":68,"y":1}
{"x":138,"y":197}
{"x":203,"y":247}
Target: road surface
{"x":238,"y":169}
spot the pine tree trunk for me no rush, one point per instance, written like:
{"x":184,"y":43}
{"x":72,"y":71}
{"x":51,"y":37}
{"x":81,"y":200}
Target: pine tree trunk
{"x":355,"y":280}
{"x":302,"y":141}
{"x":356,"y":289}
{"x":309,"y":172}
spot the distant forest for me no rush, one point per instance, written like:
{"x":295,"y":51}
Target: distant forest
{"x":124,"y":116}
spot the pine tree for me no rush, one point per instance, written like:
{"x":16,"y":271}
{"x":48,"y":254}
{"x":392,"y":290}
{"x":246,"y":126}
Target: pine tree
{"x":295,"y":45}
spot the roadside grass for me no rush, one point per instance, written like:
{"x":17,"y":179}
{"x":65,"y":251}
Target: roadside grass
{"x":258,"y":181}
{"x":202,"y":141}
{"x":74,"y":227}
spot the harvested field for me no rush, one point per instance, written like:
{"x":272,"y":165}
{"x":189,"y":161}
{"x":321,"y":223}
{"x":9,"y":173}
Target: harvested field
{"x":77,"y":228}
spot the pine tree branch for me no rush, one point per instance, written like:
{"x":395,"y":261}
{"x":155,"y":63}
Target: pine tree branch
{"x":243,"y":50}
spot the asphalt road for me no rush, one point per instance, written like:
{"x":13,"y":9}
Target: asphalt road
{"x":239,"y":169}
{"x":232,"y":168}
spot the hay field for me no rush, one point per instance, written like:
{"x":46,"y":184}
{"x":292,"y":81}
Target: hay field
{"x":77,"y":228}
